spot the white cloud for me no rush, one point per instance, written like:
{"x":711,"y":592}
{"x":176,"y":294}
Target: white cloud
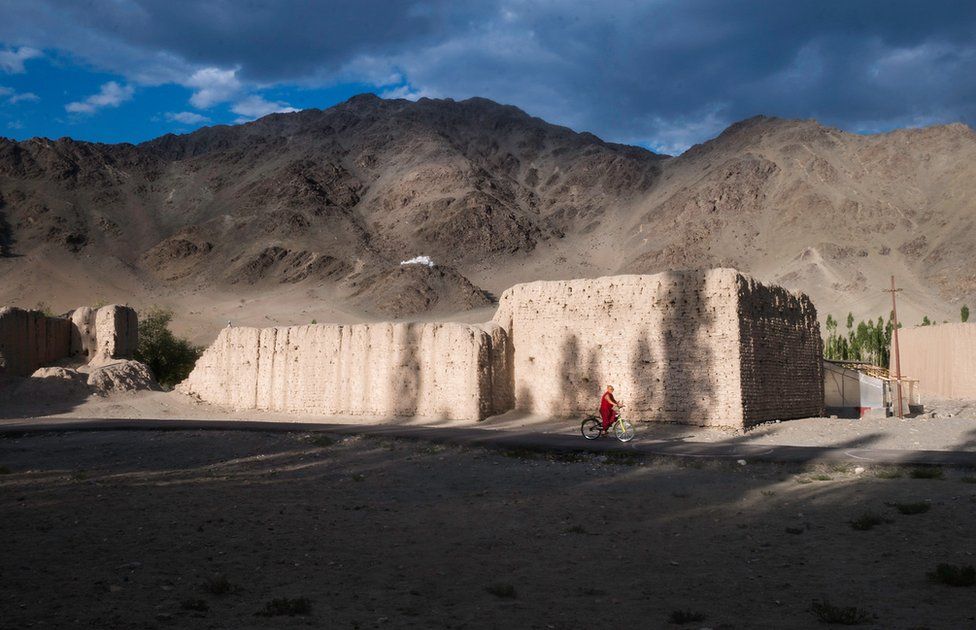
{"x":110,"y":95}
{"x":30,"y":97}
{"x":15,"y":124}
{"x":4,"y":91}
{"x":419,"y":260}
{"x":12,"y":60}
{"x":407,"y":92}
{"x":186,"y":118}
{"x":213,"y":86}
{"x":255,"y":106}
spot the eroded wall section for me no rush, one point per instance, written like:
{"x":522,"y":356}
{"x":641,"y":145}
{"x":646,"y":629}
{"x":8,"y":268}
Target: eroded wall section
{"x":428,"y":370}
{"x":30,"y":339}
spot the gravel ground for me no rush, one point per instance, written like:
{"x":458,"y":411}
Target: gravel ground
{"x":206,"y":529}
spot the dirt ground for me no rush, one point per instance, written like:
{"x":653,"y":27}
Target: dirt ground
{"x":148,"y":529}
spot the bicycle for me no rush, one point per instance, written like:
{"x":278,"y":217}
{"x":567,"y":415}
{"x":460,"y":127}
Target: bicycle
{"x":592,"y":428}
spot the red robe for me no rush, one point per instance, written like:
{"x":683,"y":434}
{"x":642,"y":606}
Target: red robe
{"x":606,"y":410}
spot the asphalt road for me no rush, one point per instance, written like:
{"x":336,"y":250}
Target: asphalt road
{"x":732,"y":449}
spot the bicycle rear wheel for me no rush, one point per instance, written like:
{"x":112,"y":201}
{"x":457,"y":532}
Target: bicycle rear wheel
{"x":591,"y":428}
{"x":624,"y":430}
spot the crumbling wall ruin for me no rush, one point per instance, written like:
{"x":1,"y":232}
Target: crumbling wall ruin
{"x":700,"y":347}
{"x":442,"y":371}
{"x":30,"y":339}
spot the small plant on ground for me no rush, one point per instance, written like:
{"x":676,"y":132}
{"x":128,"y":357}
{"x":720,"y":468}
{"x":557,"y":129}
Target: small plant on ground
{"x":794,"y":530}
{"x":504,"y":591}
{"x":954,"y":575}
{"x":4,"y":470}
{"x":843,"y":615}
{"x":821,"y":477}
{"x":218,"y":585}
{"x":321,"y":440}
{"x":283,"y":606}
{"x":919,"y":507}
{"x":888,"y":473}
{"x":968,"y":479}
{"x":685,"y":616}
{"x":866,"y":521}
{"x":926,"y":472}
{"x":576,"y":529}
{"x":195,"y":604}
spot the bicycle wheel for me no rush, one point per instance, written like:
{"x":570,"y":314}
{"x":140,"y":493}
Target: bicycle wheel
{"x":590,"y":428}
{"x":624,"y":430}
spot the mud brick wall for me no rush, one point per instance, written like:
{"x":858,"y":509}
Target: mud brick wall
{"x":677,"y":346}
{"x":668,"y":343}
{"x":942,"y":358}
{"x":780,"y":354}
{"x":429,"y":370}
{"x":30,"y":339}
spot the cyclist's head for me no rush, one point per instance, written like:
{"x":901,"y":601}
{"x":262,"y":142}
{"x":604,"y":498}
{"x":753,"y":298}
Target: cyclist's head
{"x":610,"y":388}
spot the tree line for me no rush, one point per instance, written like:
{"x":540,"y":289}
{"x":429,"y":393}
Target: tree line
{"x":869,"y":341}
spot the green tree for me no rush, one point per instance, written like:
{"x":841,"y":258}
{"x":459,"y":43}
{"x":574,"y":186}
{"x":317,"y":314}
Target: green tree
{"x":170,"y":358}
{"x":850,"y":321}
{"x":926,"y":321}
{"x":964,"y":313}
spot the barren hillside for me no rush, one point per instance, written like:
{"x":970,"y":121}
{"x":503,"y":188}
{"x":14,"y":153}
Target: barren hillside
{"x":307,"y":215}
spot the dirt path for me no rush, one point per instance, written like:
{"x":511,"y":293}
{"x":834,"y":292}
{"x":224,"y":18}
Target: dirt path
{"x":123,"y":529}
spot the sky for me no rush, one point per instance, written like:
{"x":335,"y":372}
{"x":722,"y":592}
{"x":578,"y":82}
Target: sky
{"x":663,"y":74}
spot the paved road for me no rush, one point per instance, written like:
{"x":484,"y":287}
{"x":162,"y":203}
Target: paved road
{"x":732,"y":449}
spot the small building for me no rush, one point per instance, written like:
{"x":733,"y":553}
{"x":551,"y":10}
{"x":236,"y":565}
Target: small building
{"x":857,"y":390}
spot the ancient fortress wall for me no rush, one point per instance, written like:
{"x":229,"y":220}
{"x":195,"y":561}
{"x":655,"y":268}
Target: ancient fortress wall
{"x":29,"y":339}
{"x":442,"y":371}
{"x":780,"y":350}
{"x":942,"y":358}
{"x":701,"y":347}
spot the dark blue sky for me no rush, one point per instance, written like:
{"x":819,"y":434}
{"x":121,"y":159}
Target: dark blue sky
{"x":664,"y":73}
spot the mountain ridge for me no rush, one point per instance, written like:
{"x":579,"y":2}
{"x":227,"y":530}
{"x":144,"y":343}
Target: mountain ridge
{"x":317,"y":204}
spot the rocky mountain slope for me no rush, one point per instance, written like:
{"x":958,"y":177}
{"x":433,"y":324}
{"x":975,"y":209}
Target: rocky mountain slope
{"x":309,"y":214}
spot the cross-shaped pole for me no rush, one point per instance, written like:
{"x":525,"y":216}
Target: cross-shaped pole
{"x":894,"y":329}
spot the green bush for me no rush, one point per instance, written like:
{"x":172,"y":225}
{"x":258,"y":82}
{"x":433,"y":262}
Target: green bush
{"x":169,"y":357}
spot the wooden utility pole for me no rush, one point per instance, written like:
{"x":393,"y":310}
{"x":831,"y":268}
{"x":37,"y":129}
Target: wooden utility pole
{"x":894,"y":330}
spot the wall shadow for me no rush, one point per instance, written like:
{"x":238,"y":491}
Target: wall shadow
{"x":687,"y":370}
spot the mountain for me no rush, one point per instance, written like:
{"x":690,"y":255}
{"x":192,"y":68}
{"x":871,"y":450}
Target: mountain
{"x":308,"y":215}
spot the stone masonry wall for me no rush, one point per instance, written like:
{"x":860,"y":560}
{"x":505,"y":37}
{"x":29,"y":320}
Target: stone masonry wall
{"x":439,"y":371}
{"x":780,"y":354}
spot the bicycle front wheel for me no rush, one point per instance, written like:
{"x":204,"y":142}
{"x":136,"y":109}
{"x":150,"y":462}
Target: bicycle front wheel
{"x":624,"y":430}
{"x":590,"y":428}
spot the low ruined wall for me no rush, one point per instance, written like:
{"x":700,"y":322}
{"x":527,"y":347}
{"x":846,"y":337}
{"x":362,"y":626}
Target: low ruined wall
{"x":440,"y":371}
{"x":700,"y":347}
{"x":942,"y":358}
{"x":780,"y":354}
{"x":30,"y":339}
